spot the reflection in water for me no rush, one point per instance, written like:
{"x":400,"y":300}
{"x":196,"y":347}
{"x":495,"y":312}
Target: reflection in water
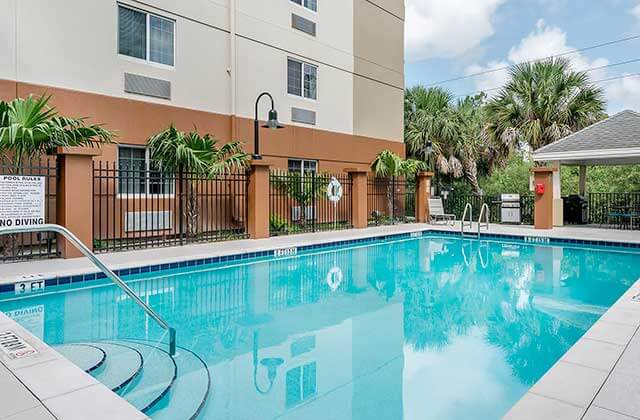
{"x":425,"y":328}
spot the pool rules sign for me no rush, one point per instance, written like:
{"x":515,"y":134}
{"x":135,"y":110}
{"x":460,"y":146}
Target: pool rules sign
{"x":21,"y":200}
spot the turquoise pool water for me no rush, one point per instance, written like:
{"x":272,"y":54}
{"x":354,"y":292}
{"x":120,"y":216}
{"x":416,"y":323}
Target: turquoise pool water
{"x":426,"y":328}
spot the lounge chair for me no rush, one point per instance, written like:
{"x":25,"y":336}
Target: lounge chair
{"x":436,"y":212}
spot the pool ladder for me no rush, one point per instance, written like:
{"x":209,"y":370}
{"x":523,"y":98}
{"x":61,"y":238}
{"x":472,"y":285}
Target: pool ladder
{"x":103,"y":268}
{"x":468,"y":209}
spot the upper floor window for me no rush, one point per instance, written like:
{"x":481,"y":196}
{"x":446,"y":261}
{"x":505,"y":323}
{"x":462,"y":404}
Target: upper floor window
{"x":137,"y":174}
{"x":302,"y":79}
{"x":145,"y":36}
{"x":309,"y":4}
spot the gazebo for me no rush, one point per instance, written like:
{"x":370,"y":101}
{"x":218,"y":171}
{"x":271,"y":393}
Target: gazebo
{"x":613,"y":141}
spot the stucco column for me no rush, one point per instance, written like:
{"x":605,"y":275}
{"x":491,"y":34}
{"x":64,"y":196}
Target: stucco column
{"x":258,"y":211}
{"x":423,"y":193}
{"x":359,"y":209}
{"x":558,"y":202}
{"x":74,"y":196}
{"x":543,"y":216}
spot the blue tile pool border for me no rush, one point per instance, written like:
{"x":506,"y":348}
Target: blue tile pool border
{"x":528,"y":239}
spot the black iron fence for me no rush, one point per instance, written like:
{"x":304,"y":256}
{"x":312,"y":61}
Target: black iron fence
{"x":309,"y":202}
{"x":391,"y":200}
{"x":138,"y":208}
{"x":614,"y":210}
{"x":25,"y":246}
{"x":455,"y":204}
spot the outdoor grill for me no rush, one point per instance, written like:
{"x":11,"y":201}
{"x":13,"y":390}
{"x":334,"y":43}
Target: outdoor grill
{"x":510,"y":208}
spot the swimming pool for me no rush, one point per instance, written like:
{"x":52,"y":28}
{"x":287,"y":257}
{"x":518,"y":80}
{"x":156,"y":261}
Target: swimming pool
{"x":433,"y":327}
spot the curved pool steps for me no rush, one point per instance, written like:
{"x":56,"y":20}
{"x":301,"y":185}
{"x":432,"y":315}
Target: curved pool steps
{"x":159,"y":371}
{"x":161,"y":386}
{"x":85,"y":356}
{"x":190,"y":391}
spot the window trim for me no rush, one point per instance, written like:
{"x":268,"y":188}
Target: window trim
{"x":302,"y":163}
{"x":305,"y":7}
{"x":304,"y":63}
{"x":147,"y":60}
{"x":147,"y":163}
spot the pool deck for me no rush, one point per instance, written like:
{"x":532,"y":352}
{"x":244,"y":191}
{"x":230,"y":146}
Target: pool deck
{"x":598,"y":378}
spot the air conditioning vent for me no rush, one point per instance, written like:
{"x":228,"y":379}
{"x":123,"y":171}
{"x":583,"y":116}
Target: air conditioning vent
{"x":302,"y":24}
{"x":148,"y":86}
{"x":147,"y":220}
{"x":303,"y":116}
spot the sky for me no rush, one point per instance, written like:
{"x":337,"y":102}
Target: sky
{"x":446,"y":39}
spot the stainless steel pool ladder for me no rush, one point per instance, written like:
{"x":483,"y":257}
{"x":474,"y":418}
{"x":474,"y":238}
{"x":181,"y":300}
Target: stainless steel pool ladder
{"x":483,"y":212}
{"x":468,"y":208}
{"x":103,"y":268}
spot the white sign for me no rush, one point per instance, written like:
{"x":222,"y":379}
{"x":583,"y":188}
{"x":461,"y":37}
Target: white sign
{"x":285,"y":252}
{"x":29,"y":284}
{"x":21,"y":200}
{"x":14,"y":346}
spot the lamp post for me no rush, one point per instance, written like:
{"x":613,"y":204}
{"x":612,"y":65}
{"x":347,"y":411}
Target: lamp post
{"x":272,"y":123}
{"x":271,"y":363}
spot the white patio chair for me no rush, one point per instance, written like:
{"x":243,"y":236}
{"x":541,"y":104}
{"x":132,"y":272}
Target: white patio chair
{"x":436,"y":212}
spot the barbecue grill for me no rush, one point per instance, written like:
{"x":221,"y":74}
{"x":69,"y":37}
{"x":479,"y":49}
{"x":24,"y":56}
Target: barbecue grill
{"x":510,"y":211}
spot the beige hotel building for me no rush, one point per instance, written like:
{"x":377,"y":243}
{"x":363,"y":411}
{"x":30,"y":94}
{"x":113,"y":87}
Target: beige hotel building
{"x":334,"y":68}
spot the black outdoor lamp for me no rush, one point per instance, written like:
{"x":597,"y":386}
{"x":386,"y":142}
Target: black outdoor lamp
{"x":272,"y":123}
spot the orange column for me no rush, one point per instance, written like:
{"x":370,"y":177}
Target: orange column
{"x":258,"y":211}
{"x":543,"y":216}
{"x":423,"y":193}
{"x":359,"y":210}
{"x":74,"y":197}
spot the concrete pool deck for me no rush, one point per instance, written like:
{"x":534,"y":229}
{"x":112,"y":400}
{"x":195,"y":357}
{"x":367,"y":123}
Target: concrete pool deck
{"x":598,"y":378}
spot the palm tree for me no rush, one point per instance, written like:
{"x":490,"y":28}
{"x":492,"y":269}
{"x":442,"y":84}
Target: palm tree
{"x":448,"y":136}
{"x":183,"y":153}
{"x":30,"y":128}
{"x":389,"y":165}
{"x":302,"y":188}
{"x":542,"y":102}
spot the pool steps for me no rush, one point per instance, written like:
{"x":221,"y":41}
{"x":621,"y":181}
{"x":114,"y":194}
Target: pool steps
{"x":156,"y":383}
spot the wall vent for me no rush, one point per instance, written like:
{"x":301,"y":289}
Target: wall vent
{"x":148,"y":86}
{"x":147,"y":220}
{"x":302,"y":24}
{"x":303,"y":116}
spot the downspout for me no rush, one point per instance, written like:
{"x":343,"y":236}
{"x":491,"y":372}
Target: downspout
{"x":232,"y":67}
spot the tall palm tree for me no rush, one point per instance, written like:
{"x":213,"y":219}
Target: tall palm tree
{"x":541,"y":103}
{"x":183,"y":153}
{"x":29,"y":127}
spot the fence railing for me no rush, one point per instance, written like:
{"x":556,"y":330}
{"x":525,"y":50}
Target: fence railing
{"x":139,"y":208}
{"x":391,"y":200}
{"x":616,"y":210}
{"x":455,"y":203}
{"x":24,"y":246}
{"x":298,"y":203}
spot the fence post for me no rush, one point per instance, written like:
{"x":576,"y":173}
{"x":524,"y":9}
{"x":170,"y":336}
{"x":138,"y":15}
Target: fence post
{"x":543,"y":213}
{"x":423,"y":193}
{"x":258,"y":200}
{"x":74,"y":196}
{"x":359,"y":209}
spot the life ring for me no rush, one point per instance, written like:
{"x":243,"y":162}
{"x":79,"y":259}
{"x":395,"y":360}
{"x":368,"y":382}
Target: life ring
{"x":334,"y":190}
{"x":334,"y":278}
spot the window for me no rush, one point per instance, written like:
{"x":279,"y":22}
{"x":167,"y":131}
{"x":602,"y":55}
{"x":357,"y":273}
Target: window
{"x":145,"y":36}
{"x":138,"y":175}
{"x":309,"y":4}
{"x":301,"y":384}
{"x":303,"y":166}
{"x":302,"y":79}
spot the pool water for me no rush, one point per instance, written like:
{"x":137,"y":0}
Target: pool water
{"x":424,"y":328}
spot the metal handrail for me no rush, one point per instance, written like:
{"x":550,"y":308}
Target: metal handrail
{"x":464,"y":216}
{"x":110,"y":274}
{"x":485,"y":206}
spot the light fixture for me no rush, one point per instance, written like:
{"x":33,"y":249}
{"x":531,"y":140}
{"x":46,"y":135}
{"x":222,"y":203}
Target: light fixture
{"x":272,"y":123}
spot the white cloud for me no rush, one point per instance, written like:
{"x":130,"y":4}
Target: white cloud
{"x":543,"y":41}
{"x":623,"y":94}
{"x":447,"y":28}
{"x":636,"y":11}
{"x":488,"y":81}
